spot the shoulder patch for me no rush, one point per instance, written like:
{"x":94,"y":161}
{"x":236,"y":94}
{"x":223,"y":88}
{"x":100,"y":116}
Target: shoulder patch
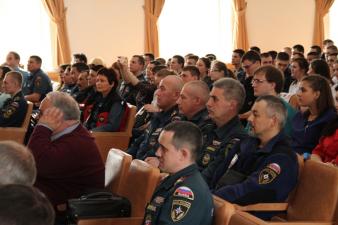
{"x":269,"y":173}
{"x":37,"y":81}
{"x":206,"y":158}
{"x":184,"y":192}
{"x":179,"y":209}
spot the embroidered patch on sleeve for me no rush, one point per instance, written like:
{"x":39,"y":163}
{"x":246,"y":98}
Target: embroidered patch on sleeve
{"x":269,"y":173}
{"x":184,"y":192}
{"x":179,"y":209}
{"x":37,"y":82}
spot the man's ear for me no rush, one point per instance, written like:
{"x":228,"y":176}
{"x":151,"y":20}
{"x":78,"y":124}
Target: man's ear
{"x":185,"y":153}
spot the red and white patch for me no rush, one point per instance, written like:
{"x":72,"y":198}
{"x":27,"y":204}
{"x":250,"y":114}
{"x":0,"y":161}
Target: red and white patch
{"x":275,"y":167}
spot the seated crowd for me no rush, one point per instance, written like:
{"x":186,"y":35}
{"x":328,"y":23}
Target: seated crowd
{"x":232,"y":130}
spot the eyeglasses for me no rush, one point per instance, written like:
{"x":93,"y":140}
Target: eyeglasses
{"x":257,"y":81}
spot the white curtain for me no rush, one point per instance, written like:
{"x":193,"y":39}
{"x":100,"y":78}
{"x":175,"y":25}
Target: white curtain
{"x":333,"y":23}
{"x":196,"y":26}
{"x":25,"y":29}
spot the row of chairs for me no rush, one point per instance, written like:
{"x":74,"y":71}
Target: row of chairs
{"x":314,"y":201}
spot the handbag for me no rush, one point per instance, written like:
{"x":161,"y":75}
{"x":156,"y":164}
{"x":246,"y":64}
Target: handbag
{"x":97,"y":205}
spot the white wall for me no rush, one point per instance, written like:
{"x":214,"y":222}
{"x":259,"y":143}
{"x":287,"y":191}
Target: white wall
{"x":106,"y":28}
{"x":274,"y":24}
{"x":109,"y":28}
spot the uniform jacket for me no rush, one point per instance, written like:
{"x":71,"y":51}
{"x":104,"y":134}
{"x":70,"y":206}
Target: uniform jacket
{"x":13,"y":111}
{"x":181,"y":198}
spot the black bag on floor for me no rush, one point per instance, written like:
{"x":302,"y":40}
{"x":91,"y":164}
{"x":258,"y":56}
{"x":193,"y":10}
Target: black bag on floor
{"x":97,"y":205}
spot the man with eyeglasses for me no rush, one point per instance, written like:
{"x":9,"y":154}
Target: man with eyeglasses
{"x":250,"y":62}
{"x":268,"y":80}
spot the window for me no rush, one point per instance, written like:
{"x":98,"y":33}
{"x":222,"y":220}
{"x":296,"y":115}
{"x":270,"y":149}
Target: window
{"x":333,"y":23}
{"x":25,"y":29}
{"x":196,"y":26}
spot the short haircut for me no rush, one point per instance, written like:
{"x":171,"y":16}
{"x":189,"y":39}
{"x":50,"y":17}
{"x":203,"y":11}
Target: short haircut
{"x":317,"y":48}
{"x":265,"y":55}
{"x":333,"y":47}
{"x":251,"y":56}
{"x":5,"y":69}
{"x":275,"y":107}
{"x":161,"y":61}
{"x":154,"y":62}
{"x":150,"y":55}
{"x":200,"y":88}
{"x":186,"y":134}
{"x":66,"y":104}
{"x":17,"y":76}
{"x":272,"y":75}
{"x":283,"y":56}
{"x":316,"y":54}
{"x":299,"y":48}
{"x":140,"y":59}
{"x":239,"y":51}
{"x":81,"y":67}
{"x":211,"y":57}
{"x":36,"y":58}
{"x":327,"y":41}
{"x":17,"y":164}
{"x":64,"y":66}
{"x":302,"y":63}
{"x":194,"y":57}
{"x":193,"y":70}
{"x":24,"y":205}
{"x":110,"y":74}
{"x":156,"y":69}
{"x":180,"y":59}
{"x":256,"y":49}
{"x":233,"y":90}
{"x":95,"y":67}
{"x":273,"y":54}
{"x":81,"y":57}
{"x":321,"y":84}
{"x":15,"y":54}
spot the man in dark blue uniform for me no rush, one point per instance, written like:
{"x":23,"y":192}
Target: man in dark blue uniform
{"x":14,"y":109}
{"x":167,"y":95}
{"x":183,"y":197}
{"x":262,"y":168}
{"x":38,"y":83}
{"x":191,"y":104}
{"x":226,"y":99}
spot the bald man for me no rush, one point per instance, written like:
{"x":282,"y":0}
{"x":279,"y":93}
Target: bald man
{"x":167,"y":94}
{"x":192,"y":106}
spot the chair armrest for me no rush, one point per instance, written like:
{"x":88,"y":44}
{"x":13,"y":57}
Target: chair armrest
{"x":300,"y":223}
{"x":263,"y":207}
{"x":112,"y":221}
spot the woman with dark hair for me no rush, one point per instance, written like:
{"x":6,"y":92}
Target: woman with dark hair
{"x":108,"y":109}
{"x":203,"y":64}
{"x":61,"y":71}
{"x":299,"y":68}
{"x":327,"y":149}
{"x":219,"y":70}
{"x":321,"y":68}
{"x":315,"y":94}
